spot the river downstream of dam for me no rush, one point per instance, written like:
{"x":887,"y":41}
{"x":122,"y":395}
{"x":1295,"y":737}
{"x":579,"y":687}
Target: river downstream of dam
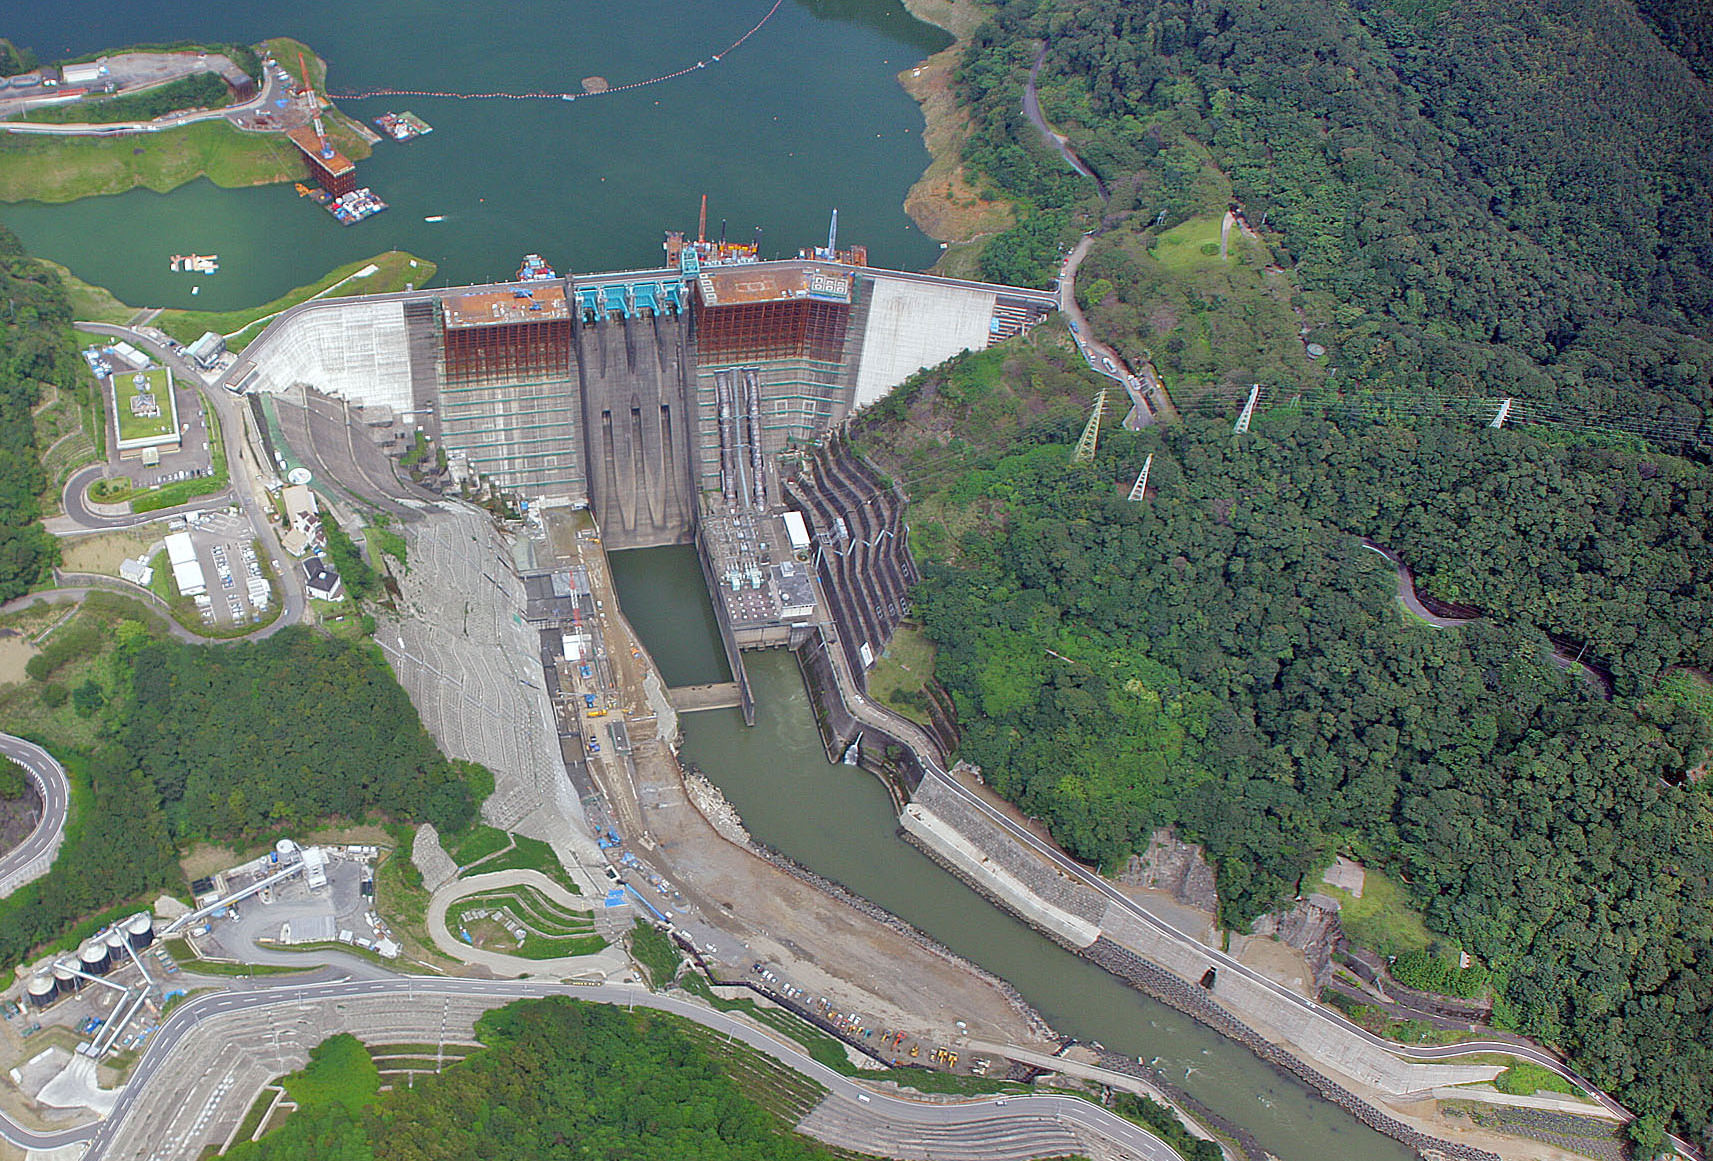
{"x":838,"y":821}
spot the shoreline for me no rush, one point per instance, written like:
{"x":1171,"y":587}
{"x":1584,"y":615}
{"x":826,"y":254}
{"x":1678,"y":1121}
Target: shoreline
{"x":56,"y":169}
{"x":942,"y":202}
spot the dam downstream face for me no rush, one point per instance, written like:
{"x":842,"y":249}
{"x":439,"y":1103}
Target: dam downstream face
{"x":838,"y":821}
{"x":806,"y":116}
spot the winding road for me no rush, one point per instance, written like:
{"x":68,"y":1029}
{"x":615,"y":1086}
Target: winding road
{"x":1134,"y":1140}
{"x":30,"y":859}
{"x":227,"y":408}
{"x":866,"y":711}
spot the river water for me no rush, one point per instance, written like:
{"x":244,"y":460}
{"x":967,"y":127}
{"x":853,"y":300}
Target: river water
{"x":838,"y":820}
{"x":805,"y":117}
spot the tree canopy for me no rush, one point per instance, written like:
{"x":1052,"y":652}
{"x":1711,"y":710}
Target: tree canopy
{"x":558,"y":1078}
{"x":1229,"y":657}
{"x":1484,"y":198}
{"x":35,"y":348}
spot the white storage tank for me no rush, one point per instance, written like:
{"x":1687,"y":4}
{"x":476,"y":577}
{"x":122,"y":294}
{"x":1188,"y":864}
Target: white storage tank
{"x":116,"y":944}
{"x":140,"y":930}
{"x":66,"y":980}
{"x":41,"y":991}
{"x":93,"y":957}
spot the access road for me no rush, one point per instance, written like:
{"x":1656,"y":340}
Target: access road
{"x":30,"y":859}
{"x":924,"y":1118}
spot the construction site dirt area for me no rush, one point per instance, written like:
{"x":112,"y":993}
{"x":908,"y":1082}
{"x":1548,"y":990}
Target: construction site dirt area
{"x":15,"y":653}
{"x":829,"y":947}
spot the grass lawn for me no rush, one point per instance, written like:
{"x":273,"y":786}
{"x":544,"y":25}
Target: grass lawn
{"x":531,"y":908}
{"x":340,"y":1071}
{"x":530,"y":855}
{"x":393,"y":271}
{"x":656,"y":952}
{"x":904,"y":667}
{"x":91,"y":303}
{"x":143,"y":403}
{"x":1525,"y":1078}
{"x":478,"y":842}
{"x":47,"y":168}
{"x":1384,"y":919}
{"x":1183,"y":246}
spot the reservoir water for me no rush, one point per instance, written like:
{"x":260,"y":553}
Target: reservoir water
{"x":839,"y":821}
{"x":805,"y":117}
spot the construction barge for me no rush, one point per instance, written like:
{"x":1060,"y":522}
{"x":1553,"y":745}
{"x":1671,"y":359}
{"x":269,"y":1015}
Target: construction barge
{"x":403,"y":126}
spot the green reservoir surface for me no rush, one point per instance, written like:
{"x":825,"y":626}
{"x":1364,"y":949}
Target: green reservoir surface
{"x":805,"y":117}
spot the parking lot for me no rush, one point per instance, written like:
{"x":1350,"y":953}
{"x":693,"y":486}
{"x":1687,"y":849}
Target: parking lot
{"x":240,"y":590}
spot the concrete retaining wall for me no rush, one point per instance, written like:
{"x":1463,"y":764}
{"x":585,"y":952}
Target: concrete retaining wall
{"x":969,"y":859}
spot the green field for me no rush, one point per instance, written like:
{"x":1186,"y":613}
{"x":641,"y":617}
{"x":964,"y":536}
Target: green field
{"x":529,"y":855}
{"x":46,"y":168}
{"x":127,"y":386}
{"x":1525,"y":1079}
{"x":553,"y":931}
{"x":1384,"y":919}
{"x":1184,"y":246}
{"x":395,"y":269}
{"x":904,"y":668}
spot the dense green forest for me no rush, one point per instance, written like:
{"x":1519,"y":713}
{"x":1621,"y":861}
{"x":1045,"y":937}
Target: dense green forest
{"x":1228,"y":657}
{"x":228,"y":743}
{"x":247,"y":739}
{"x":35,"y":348}
{"x":1474,"y":199}
{"x":558,"y":1078}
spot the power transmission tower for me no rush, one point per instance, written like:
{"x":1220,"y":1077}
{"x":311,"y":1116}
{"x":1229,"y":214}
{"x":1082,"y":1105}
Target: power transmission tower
{"x":1248,"y":410}
{"x":1504,"y":412}
{"x":1091,"y":433}
{"x":1141,"y":488}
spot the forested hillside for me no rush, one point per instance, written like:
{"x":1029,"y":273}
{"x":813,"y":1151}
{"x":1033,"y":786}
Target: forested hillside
{"x":1483,"y":198}
{"x":35,"y":348}
{"x":1229,"y":657}
{"x":228,"y":743}
{"x":557,"y":1079}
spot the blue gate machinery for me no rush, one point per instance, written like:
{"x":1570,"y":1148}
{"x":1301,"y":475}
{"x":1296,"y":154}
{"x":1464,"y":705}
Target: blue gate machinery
{"x":544,"y":96}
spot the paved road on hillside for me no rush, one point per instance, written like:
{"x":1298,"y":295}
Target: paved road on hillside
{"x":244,"y":488}
{"x":907,"y":731}
{"x":50,"y":782}
{"x":263,"y":101}
{"x":184,"y":1019}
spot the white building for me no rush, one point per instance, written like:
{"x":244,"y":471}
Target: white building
{"x":186,"y":569}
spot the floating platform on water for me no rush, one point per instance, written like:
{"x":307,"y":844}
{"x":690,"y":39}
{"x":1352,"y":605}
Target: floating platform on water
{"x":403,"y":126}
{"x":195,"y":263}
{"x":353,"y":207}
{"x":347,"y":209}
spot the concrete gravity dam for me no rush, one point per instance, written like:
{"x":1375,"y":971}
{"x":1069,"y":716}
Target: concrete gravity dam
{"x":653,"y":397}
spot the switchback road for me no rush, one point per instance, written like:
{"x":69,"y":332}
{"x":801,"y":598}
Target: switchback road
{"x":32,"y":857}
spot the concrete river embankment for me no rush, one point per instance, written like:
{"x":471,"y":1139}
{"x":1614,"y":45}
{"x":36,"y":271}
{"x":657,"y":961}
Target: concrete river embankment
{"x":841,"y":823}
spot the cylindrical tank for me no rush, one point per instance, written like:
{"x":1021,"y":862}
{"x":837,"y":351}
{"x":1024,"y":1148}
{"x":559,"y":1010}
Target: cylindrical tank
{"x":41,"y":990}
{"x":116,"y":944}
{"x":66,"y":980}
{"x":140,"y":930}
{"x":93,"y":956}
